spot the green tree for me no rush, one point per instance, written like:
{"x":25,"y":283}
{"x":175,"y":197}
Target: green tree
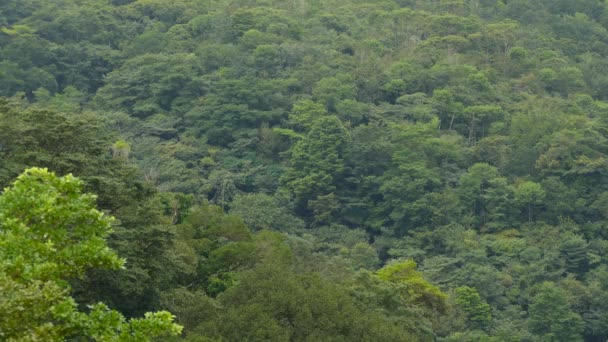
{"x":304,"y":308}
{"x":417,"y":289}
{"x":478,"y":120}
{"x":317,"y":160}
{"x":152,"y":83}
{"x":551,"y":317}
{"x":67,"y":142}
{"x":478,"y":190}
{"x":331,"y":90}
{"x":403,"y":296}
{"x":51,"y":232}
{"x":477,"y":311}
{"x":574,"y":252}
{"x":529,"y":195}
{"x":261,"y":211}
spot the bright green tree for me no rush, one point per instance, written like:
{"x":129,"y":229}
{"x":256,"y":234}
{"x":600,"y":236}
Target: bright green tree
{"x":51,"y":232}
{"x":403,"y":296}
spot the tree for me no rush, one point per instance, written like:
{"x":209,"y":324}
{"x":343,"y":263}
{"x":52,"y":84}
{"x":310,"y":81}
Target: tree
{"x":152,"y":83}
{"x":484,"y":192}
{"x":574,"y":250}
{"x":51,"y":232}
{"x":305,"y":307}
{"x":416,"y":289}
{"x":317,"y":160}
{"x":67,"y":142}
{"x":330,"y":90}
{"x":529,"y":195}
{"x":414,"y":175}
{"x":477,"y":311}
{"x":261,"y":211}
{"x":478,"y":119}
{"x":447,"y":107}
{"x":551,"y":317}
{"x":403,"y":296}
{"x":35,"y":137}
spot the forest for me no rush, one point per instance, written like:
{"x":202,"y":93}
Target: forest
{"x":304,"y":170}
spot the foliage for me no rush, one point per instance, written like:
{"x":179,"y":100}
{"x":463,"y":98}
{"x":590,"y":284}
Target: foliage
{"x":51,"y":232}
{"x":320,"y":144}
{"x":477,"y":311}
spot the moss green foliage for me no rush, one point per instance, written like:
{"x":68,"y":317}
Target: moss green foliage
{"x":330,"y":170}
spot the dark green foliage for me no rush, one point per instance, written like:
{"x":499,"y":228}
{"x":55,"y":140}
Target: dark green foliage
{"x":304,"y":307}
{"x":551,"y":317}
{"x":316,"y":161}
{"x":261,"y":211}
{"x":152,"y":84}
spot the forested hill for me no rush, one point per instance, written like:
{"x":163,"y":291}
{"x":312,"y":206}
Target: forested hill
{"x":321,"y":170}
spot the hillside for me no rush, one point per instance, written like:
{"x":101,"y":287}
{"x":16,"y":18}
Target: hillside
{"x":306,"y":170}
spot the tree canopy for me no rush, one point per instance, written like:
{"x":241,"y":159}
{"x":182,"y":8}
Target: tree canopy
{"x":304,"y":170}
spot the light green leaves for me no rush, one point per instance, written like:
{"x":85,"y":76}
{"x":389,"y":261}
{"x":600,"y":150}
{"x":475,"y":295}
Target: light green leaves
{"x":49,"y":232}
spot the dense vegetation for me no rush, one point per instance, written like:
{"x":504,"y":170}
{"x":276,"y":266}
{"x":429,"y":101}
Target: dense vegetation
{"x":307,"y":170}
